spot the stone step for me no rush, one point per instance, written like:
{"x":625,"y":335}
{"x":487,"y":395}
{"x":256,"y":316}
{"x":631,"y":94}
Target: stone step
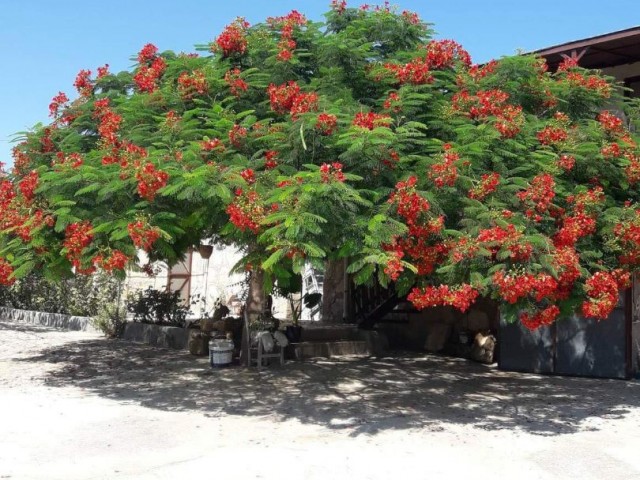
{"x":304,"y":350}
{"x":318,"y":332}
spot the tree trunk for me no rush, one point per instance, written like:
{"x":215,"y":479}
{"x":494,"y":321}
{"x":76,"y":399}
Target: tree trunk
{"x":254,"y":307}
{"x":333,"y":292}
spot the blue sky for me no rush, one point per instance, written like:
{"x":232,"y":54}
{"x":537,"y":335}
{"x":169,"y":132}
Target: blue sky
{"x":44,"y":43}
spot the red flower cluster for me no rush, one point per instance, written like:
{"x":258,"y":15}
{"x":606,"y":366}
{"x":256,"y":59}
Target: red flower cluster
{"x":46,"y":143}
{"x":21,"y":160}
{"x":77,"y":237}
{"x":602,"y":289}
{"x":393,"y":103}
{"x":514,"y":287}
{"x":627,"y":235}
{"x":287,"y":98}
{"x":493,"y":239}
{"x":371,"y":120}
{"x":248,"y":175}
{"x":331,"y":172}
{"x":339,"y":6}
{"x":416,"y":72}
{"x":287,"y":24}
{"x":610,"y":122}
{"x":540,"y":194}
{"x":543,"y":317}
{"x":147,"y":54}
{"x":109,"y":122}
{"x":411,"y":18}
{"x":73,"y":160}
{"x":445,"y":54}
{"x":58,"y":102}
{"x":103,"y":71}
{"x":478,"y":72}
{"x":28,"y":185}
{"x":115,"y":261}
{"x":611,"y":150}
{"x":445,"y":172}
{"x":212,"y":145}
{"x":83,"y":83}
{"x":150,"y":180}
{"x":567,"y":265}
{"x":271,"y":159}
{"x":574,"y":227}
{"x":566,"y":162}
{"x":232,"y":40}
{"x":632,"y":171}
{"x":488,"y":184}
{"x":394,"y":267}
{"x":246,"y":211}
{"x":326,"y":123}
{"x":237,"y":135}
{"x":460,"y":298}
{"x":191,"y":85}
{"x":589,"y":82}
{"x":150,"y":70}
{"x":488,"y":103}
{"x":172,"y":119}
{"x":551,"y":135}
{"x":6,"y":270}
{"x":236,"y":84}
{"x":143,"y":235}
{"x":410,"y":204}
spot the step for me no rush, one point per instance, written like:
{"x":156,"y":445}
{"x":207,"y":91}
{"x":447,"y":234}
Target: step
{"x":318,"y":332}
{"x":304,"y":350}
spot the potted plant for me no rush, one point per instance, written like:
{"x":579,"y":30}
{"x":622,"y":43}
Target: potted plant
{"x":291,"y":291}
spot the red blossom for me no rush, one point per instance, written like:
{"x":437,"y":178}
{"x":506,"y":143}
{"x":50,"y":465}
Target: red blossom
{"x":58,"y":102}
{"x":488,"y":184}
{"x":246,"y":212}
{"x":236,"y":84}
{"x":150,"y":180}
{"x":542,"y":317}
{"x":371,"y":120}
{"x":416,"y":72}
{"x":143,"y":235}
{"x":28,"y":185}
{"x":232,"y":40}
{"x":83,"y":83}
{"x":445,"y":54}
{"x":192,"y":84}
{"x":332,"y":172}
{"x":6,"y":270}
{"x":237,"y":135}
{"x":461,"y":297}
{"x":326,"y":123}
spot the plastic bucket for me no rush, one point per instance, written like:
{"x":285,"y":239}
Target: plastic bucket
{"x":220,"y":353}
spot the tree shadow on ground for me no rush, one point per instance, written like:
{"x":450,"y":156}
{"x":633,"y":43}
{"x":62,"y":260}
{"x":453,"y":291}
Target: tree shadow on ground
{"x":363,"y":395}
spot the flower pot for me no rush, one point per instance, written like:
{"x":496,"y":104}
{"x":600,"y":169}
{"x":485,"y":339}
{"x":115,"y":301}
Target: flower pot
{"x":293,"y":333}
{"x":205,"y":251}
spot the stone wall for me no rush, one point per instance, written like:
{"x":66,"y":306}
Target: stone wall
{"x":55,"y":320}
{"x":156,"y":335}
{"x":433,"y":327}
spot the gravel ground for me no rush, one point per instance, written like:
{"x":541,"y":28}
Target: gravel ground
{"x":77,"y":406}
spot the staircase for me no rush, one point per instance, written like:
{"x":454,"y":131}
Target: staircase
{"x":326,"y":340}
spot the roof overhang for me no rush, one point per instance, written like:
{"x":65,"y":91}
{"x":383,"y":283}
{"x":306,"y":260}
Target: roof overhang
{"x":602,"y":51}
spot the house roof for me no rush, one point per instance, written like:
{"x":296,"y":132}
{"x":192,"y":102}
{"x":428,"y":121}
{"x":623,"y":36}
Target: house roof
{"x":601,"y":51}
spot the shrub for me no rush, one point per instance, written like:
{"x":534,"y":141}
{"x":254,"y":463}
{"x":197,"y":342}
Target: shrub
{"x":154,"y":306}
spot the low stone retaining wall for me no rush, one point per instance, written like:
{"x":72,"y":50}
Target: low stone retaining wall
{"x":55,"y":320}
{"x":170,"y":337}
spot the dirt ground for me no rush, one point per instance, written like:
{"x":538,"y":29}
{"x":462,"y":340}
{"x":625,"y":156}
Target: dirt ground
{"x":77,"y":406}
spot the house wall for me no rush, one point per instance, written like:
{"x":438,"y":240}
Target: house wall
{"x":622,"y":72}
{"x":210,"y":279}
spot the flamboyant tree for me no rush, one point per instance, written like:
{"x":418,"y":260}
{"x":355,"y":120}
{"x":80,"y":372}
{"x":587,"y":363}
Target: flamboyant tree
{"x":360,"y":138}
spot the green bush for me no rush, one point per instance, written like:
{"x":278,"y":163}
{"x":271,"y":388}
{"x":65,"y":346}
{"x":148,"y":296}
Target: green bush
{"x":81,"y":295}
{"x":159,"y":307}
{"x":111,"y":320}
